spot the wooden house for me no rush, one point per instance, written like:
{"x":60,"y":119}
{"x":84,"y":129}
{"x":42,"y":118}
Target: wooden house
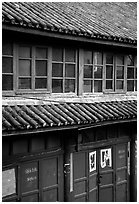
{"x":69,"y":108}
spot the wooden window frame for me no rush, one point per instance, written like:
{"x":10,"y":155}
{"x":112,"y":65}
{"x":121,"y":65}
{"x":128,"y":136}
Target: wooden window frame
{"x":33,"y":76}
{"x":131,"y":79}
{"x":63,"y":77}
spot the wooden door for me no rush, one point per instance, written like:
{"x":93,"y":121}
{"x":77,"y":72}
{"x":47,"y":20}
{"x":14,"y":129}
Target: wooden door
{"x":106,"y":175}
{"x":122,"y":187}
{"x":80,"y":176}
{"x":42,"y":180}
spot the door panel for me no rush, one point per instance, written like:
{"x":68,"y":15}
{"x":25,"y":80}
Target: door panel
{"x":106,"y":175}
{"x":121,"y":173}
{"x":29,"y":181}
{"x":80,"y":176}
{"x":93,"y":181}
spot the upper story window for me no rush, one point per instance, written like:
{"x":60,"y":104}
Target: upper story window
{"x":32,"y":68}
{"x":93,"y":71}
{"x":7,"y":66}
{"x":131,"y":73}
{"x":63,"y":70}
{"x":36,"y":69}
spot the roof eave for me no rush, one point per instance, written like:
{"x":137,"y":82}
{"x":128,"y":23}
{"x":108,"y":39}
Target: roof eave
{"x":97,"y":39}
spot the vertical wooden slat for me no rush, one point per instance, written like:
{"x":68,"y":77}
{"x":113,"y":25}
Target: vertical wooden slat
{"x":81,"y":67}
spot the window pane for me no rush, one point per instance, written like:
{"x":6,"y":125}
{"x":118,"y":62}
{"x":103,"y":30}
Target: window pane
{"x":135,"y":61}
{"x":98,"y":58}
{"x":57,"y":70}
{"x":7,"y":48}
{"x":69,"y":85}
{"x":120,"y":60}
{"x":7,"y":65}
{"x":57,"y":54}
{"x":7,"y":82}
{"x":69,"y":55}
{"x":87,"y":57}
{"x":24,"y":68}
{"x":57,"y":85}
{"x":109,"y":72}
{"x":24,"y":52}
{"x":40,"y":83}
{"x":130,"y":85}
{"x":87,"y":86}
{"x":109,"y":84}
{"x":70,"y":70}
{"x":130,"y":60}
{"x":98,"y":72}
{"x":24,"y":83}
{"x":136,"y":73}
{"x":130,"y":73}
{"x":119,"y":84}
{"x":41,"y":53}
{"x":120,"y":72}
{"x":135,"y":85}
{"x":88,"y":71}
{"x":97,"y":86}
{"x":109,"y":59}
{"x":41,"y":68}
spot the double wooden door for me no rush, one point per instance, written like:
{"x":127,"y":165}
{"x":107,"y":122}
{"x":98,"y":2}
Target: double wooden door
{"x":41,"y":180}
{"x":101,"y":174}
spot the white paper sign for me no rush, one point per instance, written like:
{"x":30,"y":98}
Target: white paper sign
{"x":8,"y":182}
{"x":92,"y":161}
{"x":106,"y":159}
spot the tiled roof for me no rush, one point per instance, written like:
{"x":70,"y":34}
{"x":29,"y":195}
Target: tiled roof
{"x":101,"y":20}
{"x":25,"y":117}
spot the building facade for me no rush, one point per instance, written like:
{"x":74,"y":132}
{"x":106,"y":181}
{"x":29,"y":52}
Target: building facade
{"x":69,"y":109}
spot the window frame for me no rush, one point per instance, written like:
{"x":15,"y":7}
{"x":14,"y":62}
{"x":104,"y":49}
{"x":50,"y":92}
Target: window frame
{"x":33,"y":76}
{"x":64,"y":77}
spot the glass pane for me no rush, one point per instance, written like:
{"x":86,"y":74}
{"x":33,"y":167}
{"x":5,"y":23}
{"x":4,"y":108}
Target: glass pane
{"x":69,"y":85}
{"x":88,"y":71}
{"x":24,"y":52}
{"x":130,"y":73}
{"x":7,"y":82}
{"x":130,"y":60}
{"x":7,"y":65}
{"x":135,"y":85}
{"x":57,"y":86}
{"x":87,"y":57}
{"x":120,"y":72}
{"x":70,"y":70}
{"x":87,"y":86}
{"x":41,"y":53}
{"x":97,"y":86}
{"x":98,"y":58}
{"x":135,"y":61}
{"x":109,"y":59}
{"x":69,"y":55}
{"x":98,"y":72}
{"x":7,"y":48}
{"x":57,"y":54}
{"x":24,"y":83}
{"x":136,"y":73}
{"x":24,"y":68}
{"x":40,"y":83}
{"x":120,"y":60}
{"x":130,"y":85}
{"x":109,"y":72}
{"x":119,"y":84}
{"x":57,"y":70}
{"x":109,"y":84}
{"x":41,"y":68}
